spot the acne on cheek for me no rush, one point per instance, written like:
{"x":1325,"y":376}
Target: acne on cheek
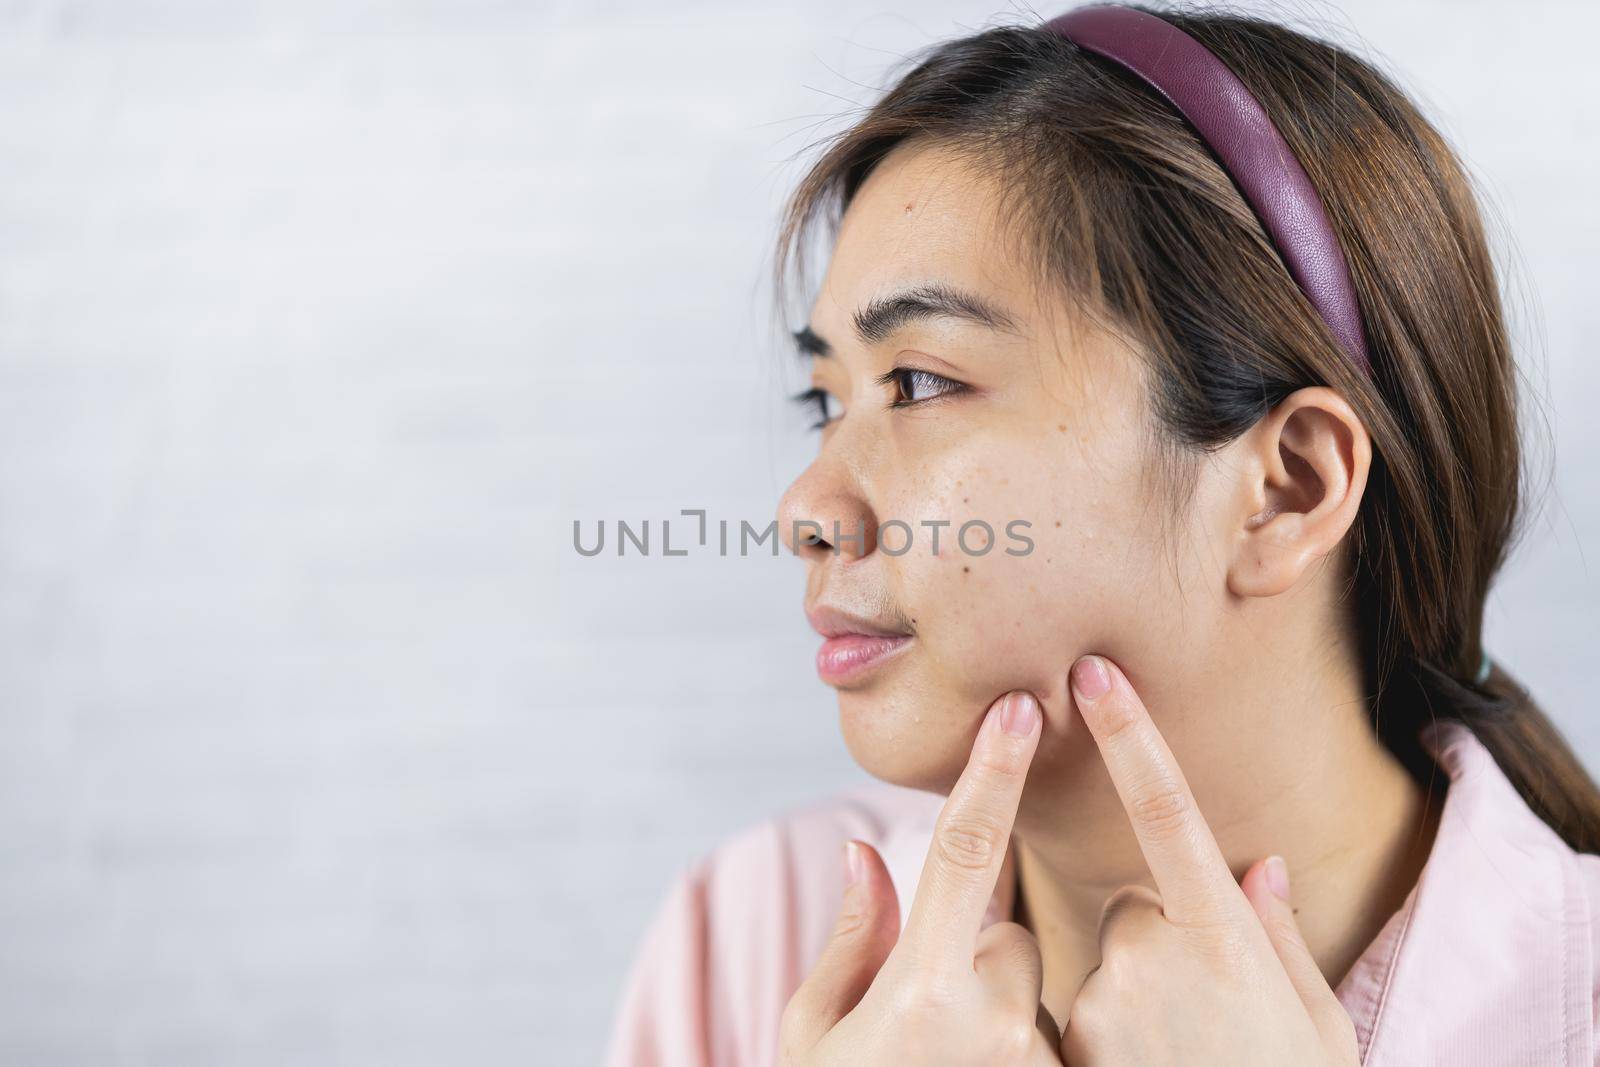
{"x":1017,"y":622}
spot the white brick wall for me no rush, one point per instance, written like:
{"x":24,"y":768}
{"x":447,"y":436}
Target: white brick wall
{"x":319,"y":322}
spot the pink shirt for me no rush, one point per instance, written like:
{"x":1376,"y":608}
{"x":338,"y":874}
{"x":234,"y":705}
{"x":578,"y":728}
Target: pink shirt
{"x":1492,"y":958}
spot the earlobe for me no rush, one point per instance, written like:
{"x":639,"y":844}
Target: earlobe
{"x":1310,"y":457}
{"x":1267,"y":568}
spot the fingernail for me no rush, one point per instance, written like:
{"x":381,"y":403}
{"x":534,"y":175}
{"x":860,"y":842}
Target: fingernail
{"x":1278,"y":877}
{"x":852,"y":864}
{"x":1089,"y":678}
{"x":1019,"y":712}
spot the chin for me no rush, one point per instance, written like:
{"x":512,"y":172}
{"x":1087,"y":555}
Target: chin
{"x":905,"y":739}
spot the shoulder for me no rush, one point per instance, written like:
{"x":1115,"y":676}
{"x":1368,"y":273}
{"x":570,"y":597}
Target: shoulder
{"x":772,"y":891}
{"x":741,"y":926}
{"x":798,"y":854}
{"x":1494,"y":957}
{"x":785,"y":875}
{"x":1588,"y":865}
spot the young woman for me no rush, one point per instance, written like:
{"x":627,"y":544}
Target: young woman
{"x":1204,"y":305}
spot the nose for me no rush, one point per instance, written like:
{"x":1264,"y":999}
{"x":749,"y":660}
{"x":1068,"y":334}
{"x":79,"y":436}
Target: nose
{"x":825,"y":513}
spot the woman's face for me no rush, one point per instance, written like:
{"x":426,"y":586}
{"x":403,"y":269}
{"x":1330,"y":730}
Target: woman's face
{"x":1022,"y":421}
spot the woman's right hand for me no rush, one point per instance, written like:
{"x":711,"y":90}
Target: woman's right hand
{"x":949,"y":991}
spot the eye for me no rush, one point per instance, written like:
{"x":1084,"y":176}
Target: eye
{"x":914,"y":386}
{"x":825,"y":405}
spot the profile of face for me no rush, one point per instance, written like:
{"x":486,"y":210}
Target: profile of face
{"x":956,"y":388}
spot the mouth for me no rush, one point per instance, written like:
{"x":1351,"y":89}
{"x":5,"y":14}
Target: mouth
{"x":853,"y":646}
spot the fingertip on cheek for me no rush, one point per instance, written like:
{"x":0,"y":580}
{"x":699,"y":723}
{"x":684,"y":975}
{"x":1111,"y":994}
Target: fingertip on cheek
{"x":1092,"y":678}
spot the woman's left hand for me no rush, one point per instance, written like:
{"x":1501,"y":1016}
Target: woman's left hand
{"x":1203,"y":970}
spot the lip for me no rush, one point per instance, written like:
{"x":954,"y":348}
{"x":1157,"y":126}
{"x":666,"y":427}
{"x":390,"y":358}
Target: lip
{"x":852,"y":646}
{"x":848,"y":657}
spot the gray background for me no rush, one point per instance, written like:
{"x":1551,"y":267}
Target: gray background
{"x":319,"y":324}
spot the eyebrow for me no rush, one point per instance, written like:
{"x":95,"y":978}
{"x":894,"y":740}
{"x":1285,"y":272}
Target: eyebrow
{"x":883,"y":316}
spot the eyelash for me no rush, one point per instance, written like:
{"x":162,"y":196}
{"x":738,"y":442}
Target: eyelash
{"x":901,"y":378}
{"x":817,"y":398}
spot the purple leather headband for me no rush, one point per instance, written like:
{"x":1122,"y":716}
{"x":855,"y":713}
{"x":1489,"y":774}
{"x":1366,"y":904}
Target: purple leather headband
{"x":1233,"y":123}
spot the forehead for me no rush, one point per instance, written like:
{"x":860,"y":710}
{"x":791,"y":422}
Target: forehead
{"x":925,"y":213}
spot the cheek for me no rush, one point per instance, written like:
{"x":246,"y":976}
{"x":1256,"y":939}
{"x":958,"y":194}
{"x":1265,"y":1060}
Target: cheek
{"x":1078,"y":576}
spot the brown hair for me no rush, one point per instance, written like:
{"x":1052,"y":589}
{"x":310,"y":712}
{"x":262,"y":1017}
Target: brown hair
{"x":1119,"y":203}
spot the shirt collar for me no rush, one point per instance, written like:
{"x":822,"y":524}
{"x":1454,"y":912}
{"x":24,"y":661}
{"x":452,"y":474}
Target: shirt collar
{"x":1488,"y":960}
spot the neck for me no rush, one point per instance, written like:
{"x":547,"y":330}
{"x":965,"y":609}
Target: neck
{"x":1313,"y":785}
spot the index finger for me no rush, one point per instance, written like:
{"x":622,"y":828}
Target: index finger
{"x":972,"y":834}
{"x":1183,"y":855}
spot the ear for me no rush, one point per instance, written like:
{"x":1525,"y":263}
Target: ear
{"x":1305,"y":468}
